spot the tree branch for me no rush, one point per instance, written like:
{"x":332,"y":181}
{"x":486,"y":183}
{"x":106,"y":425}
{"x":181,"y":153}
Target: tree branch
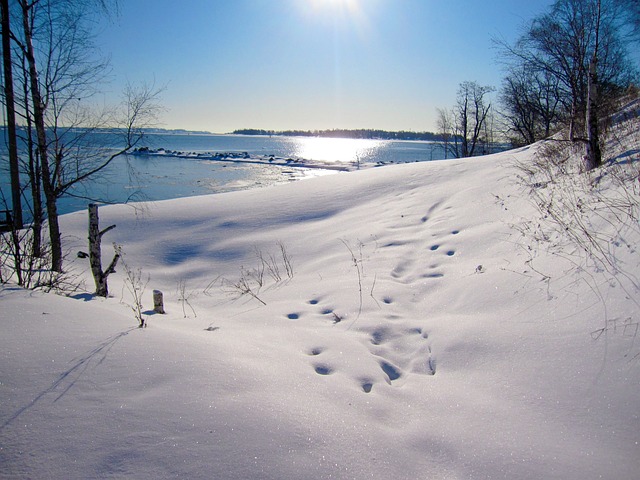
{"x":106,"y":230}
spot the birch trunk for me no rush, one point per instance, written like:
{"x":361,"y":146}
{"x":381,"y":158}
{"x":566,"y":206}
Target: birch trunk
{"x":95,"y":253}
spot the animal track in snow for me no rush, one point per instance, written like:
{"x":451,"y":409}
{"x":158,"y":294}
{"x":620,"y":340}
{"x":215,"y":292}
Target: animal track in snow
{"x":401,"y":268}
{"x":407,"y":270}
{"x":430,"y":212}
{"x":322,"y":310}
{"x":400,"y":351}
{"x":366,"y":385}
{"x":431,"y":363}
{"x":418,"y":248}
{"x":379,"y":336}
{"x":396,"y":243}
{"x":322,"y":369}
{"x":392,"y":372}
{"x":432,"y":275}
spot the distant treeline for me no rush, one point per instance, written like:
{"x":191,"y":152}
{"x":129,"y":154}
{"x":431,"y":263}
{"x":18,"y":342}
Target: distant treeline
{"x":339,"y":133}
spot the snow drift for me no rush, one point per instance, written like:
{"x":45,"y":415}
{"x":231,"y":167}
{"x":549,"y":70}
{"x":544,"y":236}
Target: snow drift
{"x":418,"y":335}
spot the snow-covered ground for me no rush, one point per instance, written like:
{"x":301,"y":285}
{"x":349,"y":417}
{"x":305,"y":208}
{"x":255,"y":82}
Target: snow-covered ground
{"x":420,"y":335}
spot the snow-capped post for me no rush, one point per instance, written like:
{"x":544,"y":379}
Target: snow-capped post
{"x":95,"y":252}
{"x":158,"y":302}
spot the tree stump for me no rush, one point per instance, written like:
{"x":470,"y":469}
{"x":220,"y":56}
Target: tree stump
{"x":95,"y":252}
{"x":158,"y":302}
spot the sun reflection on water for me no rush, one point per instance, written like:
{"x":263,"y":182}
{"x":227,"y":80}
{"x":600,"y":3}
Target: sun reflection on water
{"x":345,"y":150}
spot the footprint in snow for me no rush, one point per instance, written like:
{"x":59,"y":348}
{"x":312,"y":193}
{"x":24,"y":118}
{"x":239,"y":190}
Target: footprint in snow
{"x":379,"y":336}
{"x":392,"y":372}
{"x":366,"y":386}
{"x":325,"y":311}
{"x":402,"y":351}
{"x":433,"y":275}
{"x":322,"y":369}
{"x":401,"y":268}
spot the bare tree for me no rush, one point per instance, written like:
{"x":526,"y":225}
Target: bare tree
{"x":470,"y":113}
{"x":61,"y":75}
{"x":579,"y":45}
{"x":446,"y":130}
{"x":531,"y":104}
{"x":39,"y":108}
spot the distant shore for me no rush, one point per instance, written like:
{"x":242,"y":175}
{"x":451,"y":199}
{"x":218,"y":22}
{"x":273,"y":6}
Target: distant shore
{"x":365,"y":134}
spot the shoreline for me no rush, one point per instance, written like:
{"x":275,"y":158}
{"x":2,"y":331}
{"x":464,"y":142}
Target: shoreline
{"x":246,"y":158}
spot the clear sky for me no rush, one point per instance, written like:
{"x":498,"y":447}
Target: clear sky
{"x":309,"y":64}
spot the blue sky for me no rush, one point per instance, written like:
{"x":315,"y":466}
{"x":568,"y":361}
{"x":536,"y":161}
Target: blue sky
{"x":309,"y":64}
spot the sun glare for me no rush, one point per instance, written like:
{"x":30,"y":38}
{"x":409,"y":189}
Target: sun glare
{"x":339,"y":3}
{"x":344,"y":14}
{"x":350,"y":7}
{"x":336,"y":149}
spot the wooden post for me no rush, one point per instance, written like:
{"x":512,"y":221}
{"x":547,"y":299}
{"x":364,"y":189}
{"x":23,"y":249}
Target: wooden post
{"x":158,"y":302}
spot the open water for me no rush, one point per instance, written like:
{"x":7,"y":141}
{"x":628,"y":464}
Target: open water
{"x":142,"y":177}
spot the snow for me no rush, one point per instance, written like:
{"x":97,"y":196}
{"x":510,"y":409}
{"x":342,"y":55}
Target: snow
{"x":415,"y":339}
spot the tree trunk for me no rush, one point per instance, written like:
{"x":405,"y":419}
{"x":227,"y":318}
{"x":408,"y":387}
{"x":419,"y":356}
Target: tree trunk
{"x":594,"y":156}
{"x":35,"y":178}
{"x":95,"y":253}
{"x":11,"y":116}
{"x":34,"y":173}
{"x":38,"y":118}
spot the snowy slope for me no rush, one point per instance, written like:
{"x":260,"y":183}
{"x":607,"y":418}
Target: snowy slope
{"x":415,"y":339}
